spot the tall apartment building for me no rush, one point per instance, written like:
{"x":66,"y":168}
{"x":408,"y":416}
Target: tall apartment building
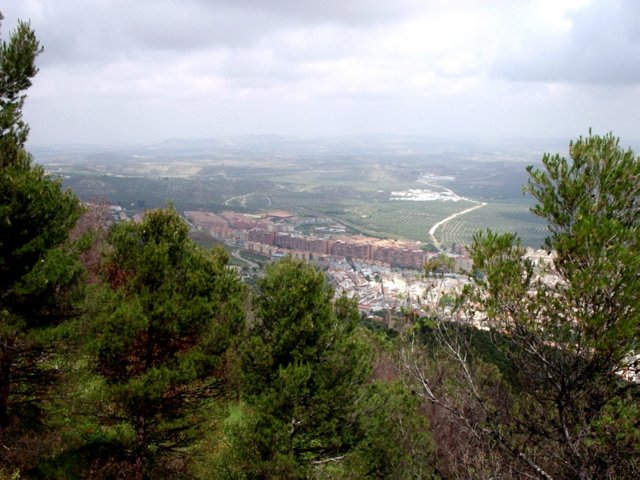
{"x":262,"y":236}
{"x":342,"y":248}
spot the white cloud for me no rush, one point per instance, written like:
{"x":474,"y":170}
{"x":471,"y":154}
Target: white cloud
{"x":142,"y":68}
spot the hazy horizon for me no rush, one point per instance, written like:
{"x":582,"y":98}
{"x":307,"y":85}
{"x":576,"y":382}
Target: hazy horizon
{"x":345,"y":142}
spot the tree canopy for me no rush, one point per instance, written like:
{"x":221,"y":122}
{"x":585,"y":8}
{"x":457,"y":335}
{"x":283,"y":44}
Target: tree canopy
{"x":17,"y":68}
{"x":36,"y":267}
{"x":161,"y":326}
{"x":302,"y":368}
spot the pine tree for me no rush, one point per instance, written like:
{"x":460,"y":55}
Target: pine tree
{"x":17,"y":68}
{"x":36,"y":268}
{"x":162,"y":326}
{"x":303,"y":368}
{"x":566,"y":405}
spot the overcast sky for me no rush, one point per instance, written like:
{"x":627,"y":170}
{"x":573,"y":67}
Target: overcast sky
{"x":146,"y":70}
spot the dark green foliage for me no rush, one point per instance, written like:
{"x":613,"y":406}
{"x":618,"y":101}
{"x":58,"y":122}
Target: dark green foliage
{"x":303,"y":367}
{"x":38,"y":271}
{"x":36,"y":216}
{"x":163,"y":324}
{"x":378,"y":327}
{"x":396,"y":440}
{"x":17,"y":68}
{"x":485,"y":346}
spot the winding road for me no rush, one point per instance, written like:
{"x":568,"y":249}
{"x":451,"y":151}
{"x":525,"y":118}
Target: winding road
{"x":432,"y":230}
{"x":242,"y":202}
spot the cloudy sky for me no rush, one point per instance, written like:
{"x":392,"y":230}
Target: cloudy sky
{"x":146,"y":70}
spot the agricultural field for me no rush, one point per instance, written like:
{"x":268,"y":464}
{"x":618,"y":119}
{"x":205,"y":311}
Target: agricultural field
{"x":398,"y":219}
{"x":499,"y":216}
{"x":369,"y":187}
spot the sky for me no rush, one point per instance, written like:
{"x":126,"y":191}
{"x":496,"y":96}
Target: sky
{"x":127,"y":71}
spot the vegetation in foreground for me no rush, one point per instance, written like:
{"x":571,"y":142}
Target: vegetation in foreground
{"x":133,"y":353}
